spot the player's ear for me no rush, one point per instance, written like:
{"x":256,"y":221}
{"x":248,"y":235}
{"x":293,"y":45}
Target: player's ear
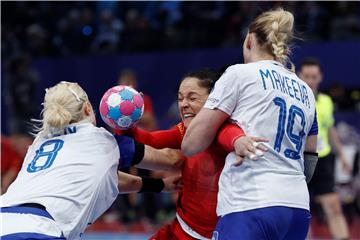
{"x":87,"y":109}
{"x":249,"y":40}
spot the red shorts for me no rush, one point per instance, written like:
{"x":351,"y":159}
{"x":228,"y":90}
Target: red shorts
{"x":172,"y":231}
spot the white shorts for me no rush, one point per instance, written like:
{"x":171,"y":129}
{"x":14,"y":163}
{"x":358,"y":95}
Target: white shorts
{"x":28,"y":222}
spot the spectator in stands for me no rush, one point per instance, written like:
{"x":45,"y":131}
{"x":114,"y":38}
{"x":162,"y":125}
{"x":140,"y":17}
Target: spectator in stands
{"x":345,"y":22}
{"x":143,"y":26}
{"x":21,"y":85}
{"x":323,"y":181}
{"x":36,"y":40}
{"x":109,"y":33}
{"x":342,"y":99}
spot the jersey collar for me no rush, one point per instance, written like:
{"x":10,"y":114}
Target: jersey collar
{"x":273,"y":62}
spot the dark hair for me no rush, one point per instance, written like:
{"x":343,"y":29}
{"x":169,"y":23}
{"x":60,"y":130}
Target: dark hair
{"x":207,"y":77}
{"x":311,"y":61}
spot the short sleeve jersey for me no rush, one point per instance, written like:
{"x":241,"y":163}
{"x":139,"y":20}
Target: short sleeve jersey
{"x":72,"y":174}
{"x":265,"y":99}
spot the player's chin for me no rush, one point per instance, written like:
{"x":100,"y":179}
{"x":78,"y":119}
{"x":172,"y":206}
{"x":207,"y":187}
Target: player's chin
{"x":187,"y":121}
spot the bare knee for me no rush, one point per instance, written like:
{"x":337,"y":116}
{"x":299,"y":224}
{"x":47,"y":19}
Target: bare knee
{"x":331,"y":204}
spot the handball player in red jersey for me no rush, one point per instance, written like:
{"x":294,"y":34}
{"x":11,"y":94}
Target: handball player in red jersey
{"x":196,"y":206}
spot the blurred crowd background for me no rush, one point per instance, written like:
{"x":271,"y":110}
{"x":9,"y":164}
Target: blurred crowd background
{"x":151,"y":45}
{"x":82,"y":28}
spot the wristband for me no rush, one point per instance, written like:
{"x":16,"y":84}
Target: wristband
{"x":311,"y":153}
{"x":152,"y":185}
{"x":310,"y":161}
{"x":139,"y":153}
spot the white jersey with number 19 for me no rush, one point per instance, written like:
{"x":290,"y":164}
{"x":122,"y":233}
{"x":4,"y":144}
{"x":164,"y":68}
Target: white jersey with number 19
{"x":265,"y":99}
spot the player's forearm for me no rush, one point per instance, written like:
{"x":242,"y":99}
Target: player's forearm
{"x":164,"y":159}
{"x":128,"y":183}
{"x":197,"y":138}
{"x":133,"y":153}
{"x":202,"y":131}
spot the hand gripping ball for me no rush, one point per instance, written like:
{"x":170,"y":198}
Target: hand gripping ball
{"x":121,"y":107}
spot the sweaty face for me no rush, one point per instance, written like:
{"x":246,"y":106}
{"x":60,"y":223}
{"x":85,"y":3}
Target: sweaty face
{"x":191,"y":98}
{"x":311,"y":74}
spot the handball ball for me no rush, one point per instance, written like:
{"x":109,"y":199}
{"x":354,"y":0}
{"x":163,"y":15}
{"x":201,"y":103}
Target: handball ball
{"x":121,"y":107}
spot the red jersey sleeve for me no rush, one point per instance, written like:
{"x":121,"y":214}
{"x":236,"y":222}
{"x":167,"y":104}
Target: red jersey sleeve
{"x":171,"y":138}
{"x":227,"y":135}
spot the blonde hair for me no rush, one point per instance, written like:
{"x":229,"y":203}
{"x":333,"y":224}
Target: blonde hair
{"x":274,"y":31}
{"x":63,"y":105}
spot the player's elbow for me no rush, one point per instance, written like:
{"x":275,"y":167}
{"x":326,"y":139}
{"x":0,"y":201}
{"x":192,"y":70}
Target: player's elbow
{"x":188,"y":149}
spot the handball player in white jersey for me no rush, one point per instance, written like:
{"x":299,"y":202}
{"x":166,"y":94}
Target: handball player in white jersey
{"x":267,"y":198}
{"x":69,"y":175}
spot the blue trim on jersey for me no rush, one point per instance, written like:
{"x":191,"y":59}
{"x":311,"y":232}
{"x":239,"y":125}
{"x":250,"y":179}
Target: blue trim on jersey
{"x":26,"y":210}
{"x":314,"y":127}
{"x":264,"y":223}
{"x":127,"y":150}
{"x":25,"y":235}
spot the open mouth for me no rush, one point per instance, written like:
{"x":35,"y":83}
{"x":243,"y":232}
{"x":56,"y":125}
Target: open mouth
{"x":188,"y":115}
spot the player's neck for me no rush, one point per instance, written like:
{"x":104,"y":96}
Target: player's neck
{"x":260,"y":57}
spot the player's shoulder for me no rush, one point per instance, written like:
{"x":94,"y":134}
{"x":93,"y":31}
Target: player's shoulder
{"x":102,"y":132}
{"x":242,"y":69}
{"x":234,"y":72}
{"x":181,"y":128}
{"x":94,"y":133}
{"x":237,"y":67}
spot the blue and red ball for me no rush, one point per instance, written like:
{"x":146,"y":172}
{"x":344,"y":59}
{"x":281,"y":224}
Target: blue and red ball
{"x":121,"y":107}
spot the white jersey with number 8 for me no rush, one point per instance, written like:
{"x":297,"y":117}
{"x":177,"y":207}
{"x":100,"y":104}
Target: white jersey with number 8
{"x":73,"y":174}
{"x":267,"y":100}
